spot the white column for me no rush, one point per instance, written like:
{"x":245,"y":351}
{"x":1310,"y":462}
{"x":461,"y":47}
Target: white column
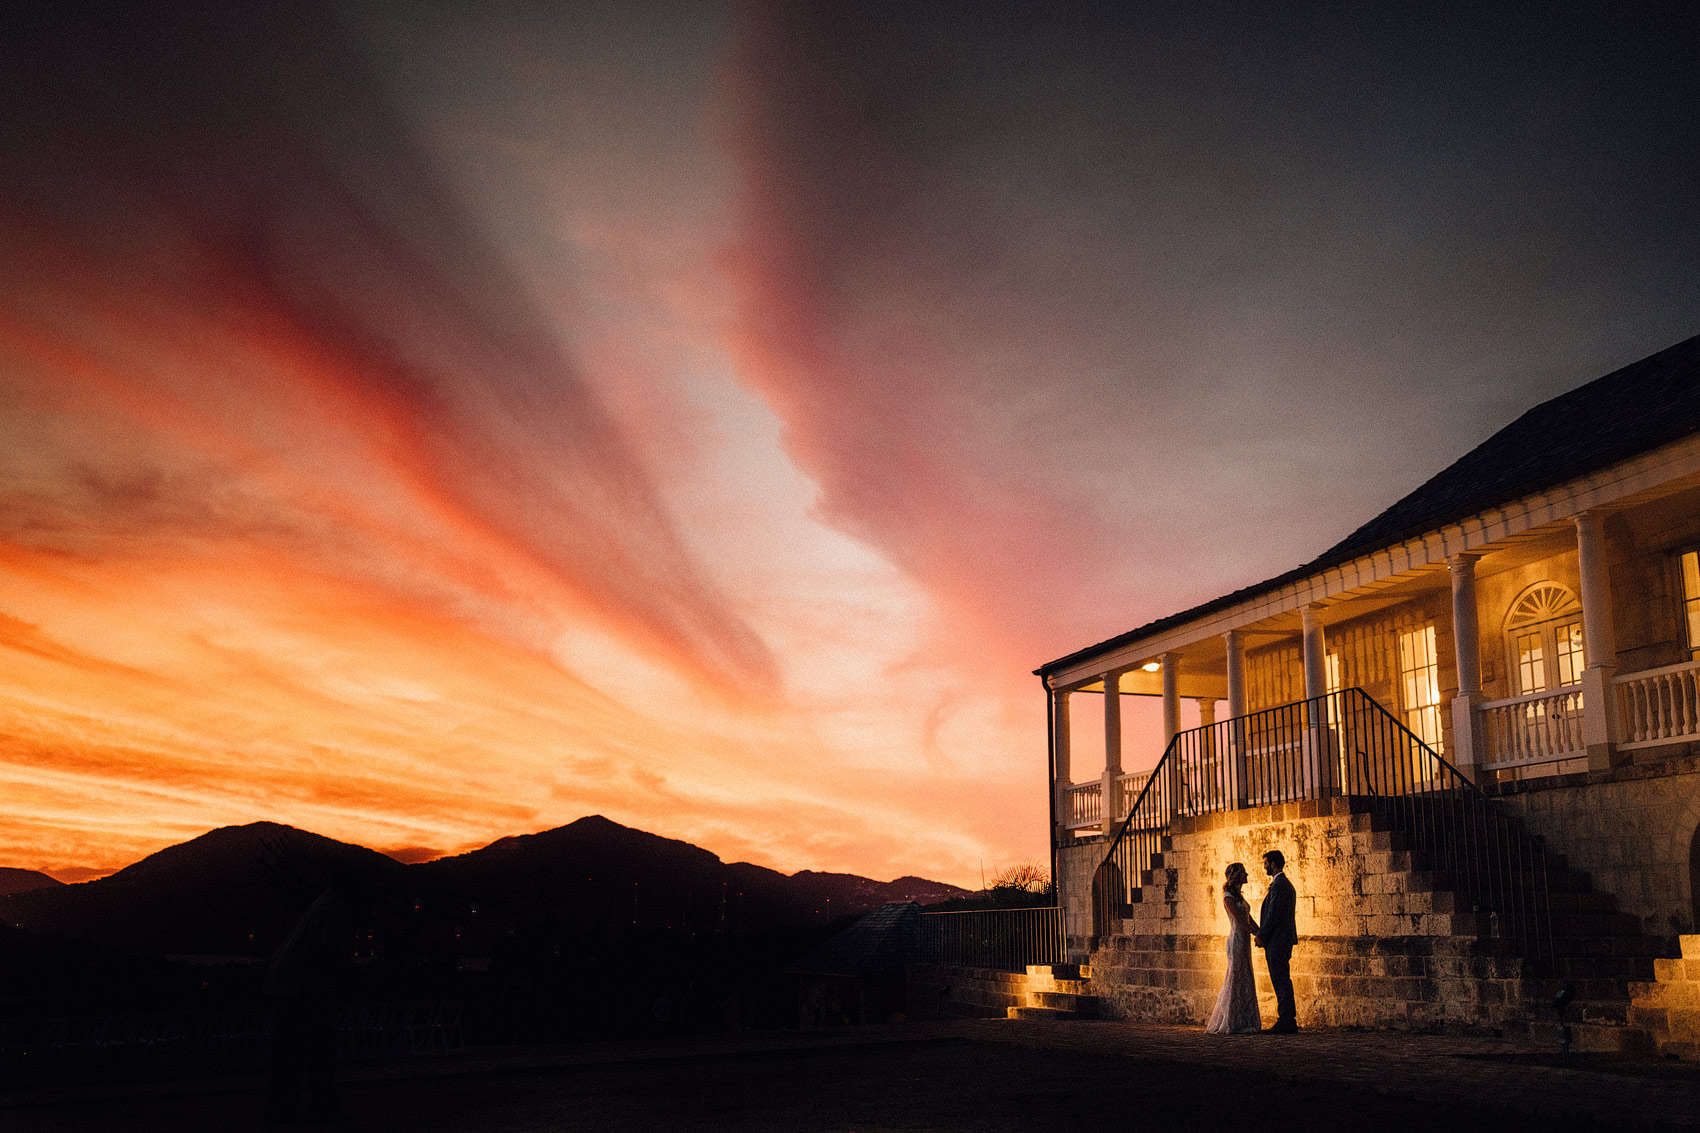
{"x":1171,"y":696}
{"x":1599,"y":629}
{"x":1316,"y":672}
{"x":1466,"y":753}
{"x":1060,"y":756}
{"x":1319,"y":753}
{"x":1233,"y":642}
{"x":1112,"y":751}
{"x":1599,"y":643}
{"x":1174,"y":783}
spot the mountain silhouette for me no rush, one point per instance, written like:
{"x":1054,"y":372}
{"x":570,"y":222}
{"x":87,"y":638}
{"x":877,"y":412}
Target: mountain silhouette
{"x":237,"y":891}
{"x":24,"y":880}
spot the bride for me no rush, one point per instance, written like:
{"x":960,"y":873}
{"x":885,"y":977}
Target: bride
{"x":1236,"y":1007}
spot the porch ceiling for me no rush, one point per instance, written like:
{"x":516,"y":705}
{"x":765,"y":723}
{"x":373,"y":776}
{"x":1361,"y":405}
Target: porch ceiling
{"x":1204,"y":661}
{"x":1191,"y":684}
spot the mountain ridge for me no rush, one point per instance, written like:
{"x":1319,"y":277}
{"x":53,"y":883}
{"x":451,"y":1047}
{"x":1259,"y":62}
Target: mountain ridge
{"x":238,"y":889}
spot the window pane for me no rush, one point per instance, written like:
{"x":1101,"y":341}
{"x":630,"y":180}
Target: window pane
{"x":1569,"y":638}
{"x":1419,"y":684}
{"x":1691,"y":596}
{"x":1531,"y":663}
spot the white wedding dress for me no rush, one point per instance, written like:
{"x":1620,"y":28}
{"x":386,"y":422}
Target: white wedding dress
{"x":1236,"y":1007}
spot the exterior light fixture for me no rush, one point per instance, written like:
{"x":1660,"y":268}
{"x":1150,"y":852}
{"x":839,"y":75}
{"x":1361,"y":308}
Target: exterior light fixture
{"x":1152,"y":666}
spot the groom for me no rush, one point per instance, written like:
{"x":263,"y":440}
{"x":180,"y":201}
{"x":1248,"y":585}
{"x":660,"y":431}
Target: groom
{"x":1276,"y":936}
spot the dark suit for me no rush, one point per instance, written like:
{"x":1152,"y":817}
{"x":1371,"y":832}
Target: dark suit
{"x":1278,"y":933}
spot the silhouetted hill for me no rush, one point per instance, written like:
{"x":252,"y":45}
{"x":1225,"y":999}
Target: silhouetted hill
{"x":238,"y":890}
{"x":235,"y":890}
{"x":24,"y":880}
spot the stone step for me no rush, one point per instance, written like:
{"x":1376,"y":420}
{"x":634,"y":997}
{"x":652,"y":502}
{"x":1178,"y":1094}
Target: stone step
{"x":1595,"y":924}
{"x":1653,"y":993}
{"x":1600,"y":967}
{"x":1039,"y":1013}
{"x":1380,"y":840}
{"x":1061,"y":971}
{"x":1566,"y":880}
{"x":1593,"y":1037}
{"x":1670,"y":971}
{"x":1583,"y":902}
{"x":1612,"y":944}
{"x":1690,"y":945}
{"x":1540,"y":991}
{"x":1080,"y":1006}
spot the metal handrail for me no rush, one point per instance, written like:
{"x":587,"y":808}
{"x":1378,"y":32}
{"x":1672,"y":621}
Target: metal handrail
{"x":1342,"y":744}
{"x":1009,"y":939}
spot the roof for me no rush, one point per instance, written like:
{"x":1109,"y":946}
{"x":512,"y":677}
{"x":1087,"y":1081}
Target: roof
{"x":1636,"y":409}
{"x":883,"y":940}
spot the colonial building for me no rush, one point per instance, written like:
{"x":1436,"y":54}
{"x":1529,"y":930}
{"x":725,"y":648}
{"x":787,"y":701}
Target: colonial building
{"x":1474,"y":718}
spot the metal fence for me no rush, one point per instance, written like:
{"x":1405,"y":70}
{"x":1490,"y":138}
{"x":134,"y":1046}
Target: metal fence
{"x":1009,"y":939}
{"x":1341,"y":744}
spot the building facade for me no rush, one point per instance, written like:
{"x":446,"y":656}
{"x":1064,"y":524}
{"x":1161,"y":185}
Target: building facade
{"x":1527,"y":621}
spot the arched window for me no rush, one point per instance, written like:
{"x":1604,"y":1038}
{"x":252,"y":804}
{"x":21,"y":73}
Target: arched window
{"x":1543,"y":636}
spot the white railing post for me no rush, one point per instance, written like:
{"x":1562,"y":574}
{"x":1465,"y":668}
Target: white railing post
{"x":1658,"y":706}
{"x":1538,"y":727}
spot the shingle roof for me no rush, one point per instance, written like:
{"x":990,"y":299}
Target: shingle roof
{"x":884,"y":940}
{"x":1636,"y":409}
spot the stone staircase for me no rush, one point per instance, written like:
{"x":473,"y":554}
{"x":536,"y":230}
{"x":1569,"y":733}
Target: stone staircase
{"x":1402,"y":949}
{"x":1043,"y":991}
{"x":1668,"y":1005}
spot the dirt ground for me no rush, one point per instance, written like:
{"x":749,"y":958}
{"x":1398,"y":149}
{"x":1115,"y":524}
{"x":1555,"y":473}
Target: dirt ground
{"x":968,"y":1076}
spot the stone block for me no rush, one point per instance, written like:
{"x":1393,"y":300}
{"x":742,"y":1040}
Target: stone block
{"x":1683,"y":993}
{"x":1684,"y":1024}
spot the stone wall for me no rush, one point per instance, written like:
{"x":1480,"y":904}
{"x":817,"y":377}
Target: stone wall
{"x":1075,"y":865}
{"x":1632,"y":829}
{"x":1379,"y":944}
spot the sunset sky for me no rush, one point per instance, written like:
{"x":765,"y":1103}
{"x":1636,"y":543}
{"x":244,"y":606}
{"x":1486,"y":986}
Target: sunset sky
{"x":423,"y":423}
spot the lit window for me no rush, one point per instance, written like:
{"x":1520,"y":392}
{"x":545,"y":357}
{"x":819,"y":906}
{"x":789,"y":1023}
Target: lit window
{"x":1419,"y":684}
{"x":1544,"y":632}
{"x":1531,"y":663}
{"x":1569,"y":638}
{"x":1691,"y":597}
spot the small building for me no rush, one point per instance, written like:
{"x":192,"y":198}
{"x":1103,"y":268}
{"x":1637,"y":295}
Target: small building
{"x":860,"y":975}
{"x":1521,"y":633}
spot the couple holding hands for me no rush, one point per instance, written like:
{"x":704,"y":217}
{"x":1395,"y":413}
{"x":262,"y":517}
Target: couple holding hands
{"x":1274,"y":931}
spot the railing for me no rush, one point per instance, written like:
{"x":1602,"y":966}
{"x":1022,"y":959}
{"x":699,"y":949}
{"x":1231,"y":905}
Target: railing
{"x":1083,"y":803}
{"x":1084,"y":806}
{"x":995,"y":938}
{"x":1342,"y":744}
{"x":1540,"y":727}
{"x":1659,"y":705}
